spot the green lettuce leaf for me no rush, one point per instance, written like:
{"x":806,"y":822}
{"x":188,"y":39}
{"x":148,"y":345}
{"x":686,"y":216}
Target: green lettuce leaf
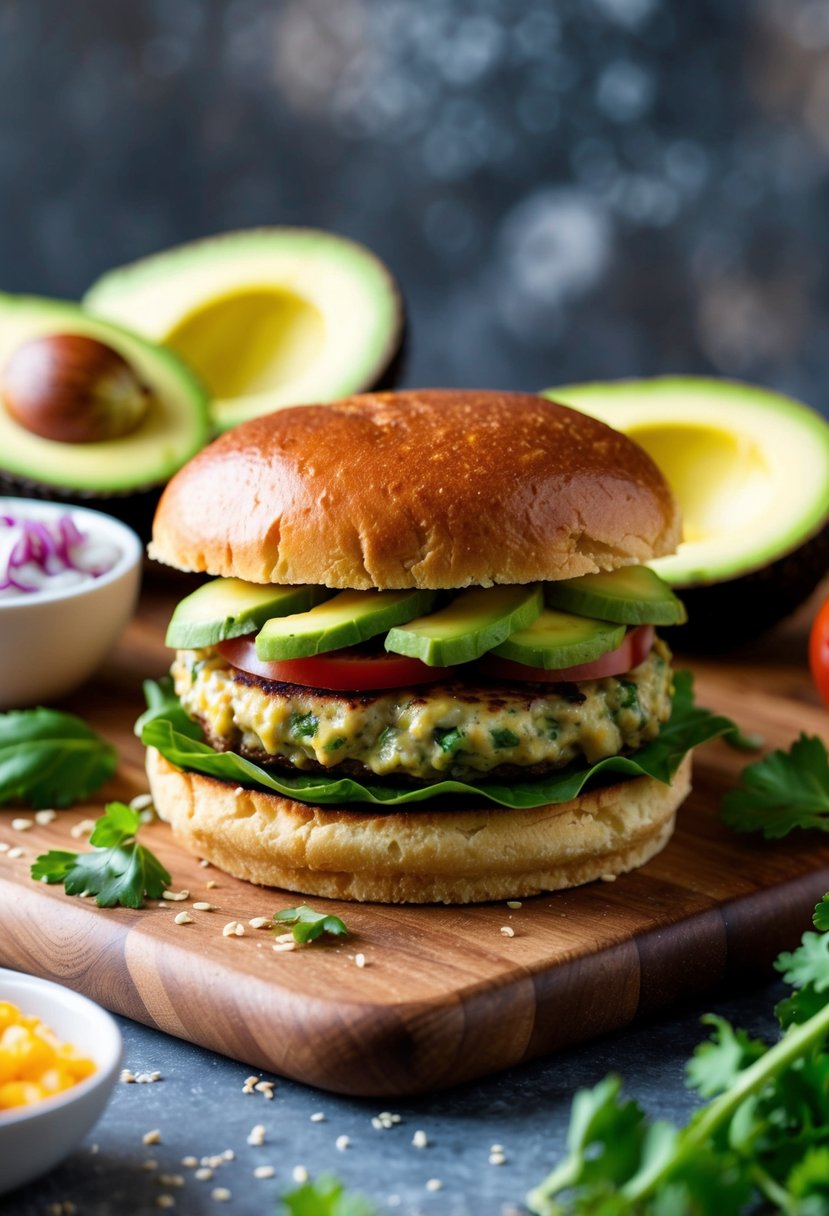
{"x":165,"y":726}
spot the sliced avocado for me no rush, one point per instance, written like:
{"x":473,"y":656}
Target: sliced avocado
{"x":230,"y":607}
{"x":346,"y":619}
{"x":473,"y":623}
{"x":125,"y":474}
{"x":750,"y":469}
{"x":267,"y":318}
{"x":560,"y":639}
{"x":633,"y":595}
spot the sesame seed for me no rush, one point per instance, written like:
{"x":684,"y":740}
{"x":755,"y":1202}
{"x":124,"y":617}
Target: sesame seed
{"x":342,"y":1143}
{"x":238,"y":791}
{"x":229,"y":1155}
{"x":16,"y":852}
{"x":45,"y":817}
{"x":204,"y":863}
{"x":264,"y":1171}
{"x":507,"y":931}
{"x":514,"y":903}
{"x":318,"y":1117}
{"x":299,"y":1174}
{"x":496,"y":1158}
{"x":434,"y":1184}
{"x":259,"y":922}
{"x":233,"y":928}
{"x":265,"y":1087}
{"x":171,"y":1179}
{"x":220,"y":1193}
{"x":153,"y":1137}
{"x":183,"y":918}
{"x":175,"y":896}
{"x":165,"y":1201}
{"x":203,"y":906}
{"x":420,"y":1139}
{"x":376,"y":1123}
{"x":204,"y":1174}
{"x":212,"y":884}
{"x":4,"y":847}
{"x":82,"y":828}
{"x":141,"y":802}
{"x":126,"y":1076}
{"x":149,"y":1164}
{"x":284,"y":937}
{"x":281,"y":947}
{"x":607,"y":877}
{"x":190,"y":1163}
{"x":359,"y":960}
{"x":22,"y":825}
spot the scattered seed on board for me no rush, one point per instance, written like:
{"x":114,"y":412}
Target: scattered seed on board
{"x":150,"y":1164}
{"x":152,"y":1137}
{"x":514,"y":903}
{"x":175,"y":896}
{"x":318,"y":1117}
{"x":202,"y":906}
{"x":83,"y":828}
{"x":184,"y":918}
{"x":359,"y":960}
{"x":16,"y":852}
{"x":171,"y":1180}
{"x":22,"y":825}
{"x":264,"y":1171}
{"x":299,"y":1174}
{"x":496,"y":1158}
{"x":282,"y":947}
{"x":45,"y":817}
{"x":420,"y":1139}
{"x":221,"y":1194}
{"x":265,"y":1087}
{"x":233,"y":928}
{"x":190,"y":1163}
{"x":434,"y":1184}
{"x":342,"y":1143}
{"x":260,"y":922}
{"x":204,"y":1173}
{"x":4,"y":847}
{"x":256,"y":1136}
{"x":211,"y":885}
{"x":507,"y":931}
{"x":165,"y":1201}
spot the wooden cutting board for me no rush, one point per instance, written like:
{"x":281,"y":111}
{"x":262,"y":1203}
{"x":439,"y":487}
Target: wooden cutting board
{"x":444,"y":995}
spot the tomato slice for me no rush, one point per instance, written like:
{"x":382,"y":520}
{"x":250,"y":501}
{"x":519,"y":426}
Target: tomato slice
{"x":350,"y":669}
{"x":819,"y":651}
{"x":633,"y":650}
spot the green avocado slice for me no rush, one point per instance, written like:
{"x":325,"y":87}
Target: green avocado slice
{"x":344,"y":620}
{"x":559,"y":640}
{"x":633,"y":595}
{"x":230,"y":607}
{"x":268,"y":318}
{"x":473,"y":623}
{"x":173,"y":429}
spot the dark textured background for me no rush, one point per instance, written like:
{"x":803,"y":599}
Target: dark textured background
{"x":565,"y":189}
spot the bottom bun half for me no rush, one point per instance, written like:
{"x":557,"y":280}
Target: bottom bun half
{"x":463,"y":856}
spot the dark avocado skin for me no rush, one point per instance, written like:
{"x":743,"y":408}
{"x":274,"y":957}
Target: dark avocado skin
{"x":723,"y":615}
{"x":135,"y":508}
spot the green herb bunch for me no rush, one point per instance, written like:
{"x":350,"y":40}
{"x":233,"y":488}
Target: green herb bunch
{"x":759,"y":1144}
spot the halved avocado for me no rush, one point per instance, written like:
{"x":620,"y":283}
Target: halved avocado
{"x":267,"y":318}
{"x":750,"y":469}
{"x":122,"y":475}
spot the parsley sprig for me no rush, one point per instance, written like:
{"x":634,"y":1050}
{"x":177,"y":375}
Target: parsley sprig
{"x":784,"y":790}
{"x":760,"y":1139}
{"x":308,"y":925}
{"x":119,"y":870}
{"x":325,"y":1196}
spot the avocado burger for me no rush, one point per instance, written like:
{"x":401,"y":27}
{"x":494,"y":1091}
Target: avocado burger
{"x":425,"y":668}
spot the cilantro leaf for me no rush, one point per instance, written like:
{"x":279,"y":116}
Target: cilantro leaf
{"x":820,"y":917}
{"x":118,"y":870}
{"x":325,"y":1196}
{"x":784,"y":790}
{"x":166,"y":727}
{"x":758,"y":1143}
{"x":308,"y":925}
{"x":51,"y":758}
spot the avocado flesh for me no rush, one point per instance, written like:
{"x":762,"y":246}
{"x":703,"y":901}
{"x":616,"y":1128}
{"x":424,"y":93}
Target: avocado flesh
{"x":229,"y":608}
{"x":561,"y":639}
{"x":348,"y":618}
{"x":268,"y":318}
{"x":474,"y":622}
{"x":632,"y":595}
{"x":173,"y":429}
{"x":750,"y":469}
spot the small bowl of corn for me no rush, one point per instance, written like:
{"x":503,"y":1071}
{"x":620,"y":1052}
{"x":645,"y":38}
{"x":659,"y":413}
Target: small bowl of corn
{"x":59,"y":1060}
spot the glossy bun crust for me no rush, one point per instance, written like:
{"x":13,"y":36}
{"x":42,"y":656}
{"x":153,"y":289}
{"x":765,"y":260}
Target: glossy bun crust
{"x":423,"y":856}
{"x":425,"y":488}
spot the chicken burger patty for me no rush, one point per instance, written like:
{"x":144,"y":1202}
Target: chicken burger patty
{"x":448,"y":729}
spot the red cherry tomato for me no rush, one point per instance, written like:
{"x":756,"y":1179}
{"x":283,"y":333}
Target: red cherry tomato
{"x":634,"y":650}
{"x":819,"y":651}
{"x":350,"y":669}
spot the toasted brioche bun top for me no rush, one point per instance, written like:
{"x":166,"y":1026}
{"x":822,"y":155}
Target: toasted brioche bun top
{"x":424,"y":488}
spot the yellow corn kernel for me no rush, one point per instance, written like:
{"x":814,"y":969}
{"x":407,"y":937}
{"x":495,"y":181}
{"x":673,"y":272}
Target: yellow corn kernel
{"x":34,"y":1062}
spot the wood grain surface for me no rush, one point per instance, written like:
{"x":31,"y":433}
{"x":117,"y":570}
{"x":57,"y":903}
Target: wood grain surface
{"x":444,"y":996}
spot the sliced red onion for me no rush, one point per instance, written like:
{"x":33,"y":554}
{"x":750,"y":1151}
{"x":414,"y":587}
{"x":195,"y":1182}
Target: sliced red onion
{"x":38,"y":554}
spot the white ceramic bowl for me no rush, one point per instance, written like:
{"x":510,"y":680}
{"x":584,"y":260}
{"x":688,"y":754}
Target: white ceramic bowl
{"x":35,"y":1138}
{"x":54,"y":639}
